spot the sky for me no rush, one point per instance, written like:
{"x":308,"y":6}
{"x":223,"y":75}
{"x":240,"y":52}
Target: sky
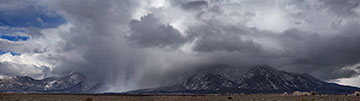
{"x":134,"y":44}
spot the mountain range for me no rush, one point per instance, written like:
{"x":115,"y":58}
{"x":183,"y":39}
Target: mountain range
{"x":217,"y":79}
{"x":260,"y":79}
{"x":70,"y":83}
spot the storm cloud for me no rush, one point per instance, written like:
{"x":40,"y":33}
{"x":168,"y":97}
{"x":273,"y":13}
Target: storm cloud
{"x":133,"y":44}
{"x":343,"y":8}
{"x":149,"y":31}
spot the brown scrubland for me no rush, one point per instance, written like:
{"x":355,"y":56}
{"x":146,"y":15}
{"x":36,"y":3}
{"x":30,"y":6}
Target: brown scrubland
{"x":212,"y":97}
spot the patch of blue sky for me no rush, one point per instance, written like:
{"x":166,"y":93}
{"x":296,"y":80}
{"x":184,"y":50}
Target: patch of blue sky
{"x":12,"y":53}
{"x":11,"y":34}
{"x":30,"y":16}
{"x":14,"y":38}
{"x":17,"y":16}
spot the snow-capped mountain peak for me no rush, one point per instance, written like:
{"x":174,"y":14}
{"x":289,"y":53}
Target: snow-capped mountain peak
{"x":72,"y":82}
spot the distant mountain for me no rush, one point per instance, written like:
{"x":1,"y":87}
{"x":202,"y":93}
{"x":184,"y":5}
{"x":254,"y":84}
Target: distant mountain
{"x":70,"y":83}
{"x":260,"y":79}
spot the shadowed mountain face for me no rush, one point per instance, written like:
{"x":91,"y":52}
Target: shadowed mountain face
{"x":73,"y":82}
{"x":260,"y":79}
{"x":265,"y":78}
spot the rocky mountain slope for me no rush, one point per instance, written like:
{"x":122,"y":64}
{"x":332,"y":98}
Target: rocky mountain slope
{"x":260,"y":79}
{"x":70,"y":83}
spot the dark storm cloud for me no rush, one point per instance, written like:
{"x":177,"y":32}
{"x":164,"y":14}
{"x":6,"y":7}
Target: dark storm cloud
{"x":194,"y":5}
{"x":99,"y":29}
{"x":97,"y":44}
{"x":209,"y":43}
{"x":302,"y":52}
{"x":215,"y":37}
{"x":96,"y":40}
{"x":323,"y":55}
{"x":342,"y":7}
{"x":149,"y":31}
{"x":99,"y":36}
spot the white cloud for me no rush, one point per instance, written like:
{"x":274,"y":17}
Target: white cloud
{"x":353,"y":81}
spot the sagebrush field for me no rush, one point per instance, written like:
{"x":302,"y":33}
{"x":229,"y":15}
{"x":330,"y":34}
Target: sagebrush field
{"x":101,"y":97}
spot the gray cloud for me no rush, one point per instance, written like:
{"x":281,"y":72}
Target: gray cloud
{"x":97,"y":44}
{"x":326,"y":53}
{"x":10,"y":69}
{"x":149,"y":31}
{"x":103,"y":40}
{"x":320,"y":55}
{"x":94,"y":42}
{"x":98,"y":36}
{"x":195,"y":5}
{"x":342,"y":7}
{"x":214,"y":37}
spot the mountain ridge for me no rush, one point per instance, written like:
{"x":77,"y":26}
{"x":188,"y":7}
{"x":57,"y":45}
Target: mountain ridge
{"x":259,"y":79}
{"x":73,"y":82}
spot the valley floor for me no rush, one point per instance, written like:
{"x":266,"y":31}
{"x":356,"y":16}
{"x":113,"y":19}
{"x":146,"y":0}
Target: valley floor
{"x":101,"y":97}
